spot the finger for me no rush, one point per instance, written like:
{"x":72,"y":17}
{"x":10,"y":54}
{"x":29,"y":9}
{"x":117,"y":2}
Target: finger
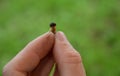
{"x":31,"y":55}
{"x":44,"y":67}
{"x":67,"y":58}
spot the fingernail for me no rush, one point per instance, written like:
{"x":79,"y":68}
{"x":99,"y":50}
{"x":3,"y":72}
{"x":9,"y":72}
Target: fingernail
{"x":60,"y":35}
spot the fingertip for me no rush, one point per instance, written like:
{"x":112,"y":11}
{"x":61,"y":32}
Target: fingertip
{"x":59,"y":33}
{"x":51,"y":38}
{"x":46,"y":38}
{"x":60,"y":36}
{"x":50,"y":33}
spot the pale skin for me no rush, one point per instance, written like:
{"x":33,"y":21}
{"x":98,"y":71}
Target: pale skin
{"x":39,"y":56}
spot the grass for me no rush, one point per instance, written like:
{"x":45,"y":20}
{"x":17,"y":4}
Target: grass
{"x":92,"y":27}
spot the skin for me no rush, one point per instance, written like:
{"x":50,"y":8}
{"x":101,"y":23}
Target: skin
{"x":39,"y":56}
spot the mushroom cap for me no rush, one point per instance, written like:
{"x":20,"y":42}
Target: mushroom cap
{"x":52,"y":24}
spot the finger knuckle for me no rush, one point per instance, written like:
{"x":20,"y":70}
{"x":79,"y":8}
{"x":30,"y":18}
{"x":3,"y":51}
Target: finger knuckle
{"x":72,"y":57}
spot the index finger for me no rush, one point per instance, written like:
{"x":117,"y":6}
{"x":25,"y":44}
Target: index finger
{"x":31,"y":55}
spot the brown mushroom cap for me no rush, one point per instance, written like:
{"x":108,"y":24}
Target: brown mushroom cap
{"x":52,"y":24}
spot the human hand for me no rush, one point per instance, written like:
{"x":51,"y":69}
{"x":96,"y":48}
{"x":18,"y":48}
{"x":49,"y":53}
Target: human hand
{"x":39,"y":56}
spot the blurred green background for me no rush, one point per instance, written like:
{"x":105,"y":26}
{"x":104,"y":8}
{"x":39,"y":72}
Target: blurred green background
{"x":92,"y":27}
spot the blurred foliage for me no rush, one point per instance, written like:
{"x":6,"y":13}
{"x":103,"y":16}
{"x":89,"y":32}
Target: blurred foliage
{"x":92,"y":27}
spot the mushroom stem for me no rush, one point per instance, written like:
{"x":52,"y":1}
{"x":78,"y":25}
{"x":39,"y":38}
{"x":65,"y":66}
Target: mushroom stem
{"x":53,"y":27}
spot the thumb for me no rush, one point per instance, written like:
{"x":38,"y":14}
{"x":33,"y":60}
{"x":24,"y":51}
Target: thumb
{"x":68,"y":60}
